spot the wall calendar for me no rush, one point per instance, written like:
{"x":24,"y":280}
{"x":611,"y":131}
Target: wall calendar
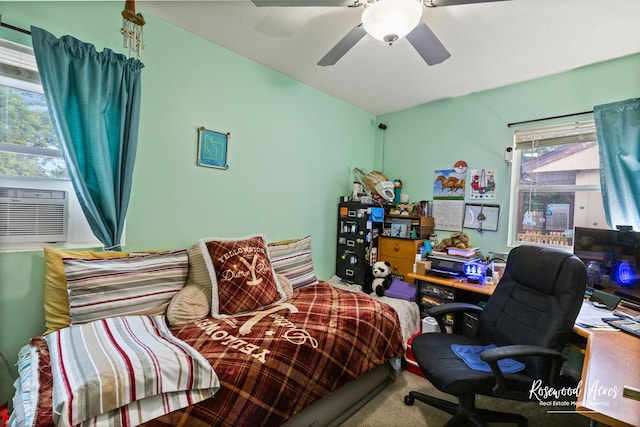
{"x":448,"y":214}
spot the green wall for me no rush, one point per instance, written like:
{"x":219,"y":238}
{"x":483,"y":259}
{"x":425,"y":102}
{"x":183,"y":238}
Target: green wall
{"x":291,"y":150}
{"x":474,"y":128}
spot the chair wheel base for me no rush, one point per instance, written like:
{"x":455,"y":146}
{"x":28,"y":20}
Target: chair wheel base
{"x":465,"y":412}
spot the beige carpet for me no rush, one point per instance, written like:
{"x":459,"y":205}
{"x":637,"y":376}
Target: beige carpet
{"x":388,"y":408}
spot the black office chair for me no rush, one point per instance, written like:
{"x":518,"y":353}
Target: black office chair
{"x":529,"y":318}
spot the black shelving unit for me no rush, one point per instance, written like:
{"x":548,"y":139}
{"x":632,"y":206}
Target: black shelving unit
{"x":357,"y":246}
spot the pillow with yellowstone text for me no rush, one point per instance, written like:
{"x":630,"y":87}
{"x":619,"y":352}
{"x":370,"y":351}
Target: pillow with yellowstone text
{"x":242,"y":278}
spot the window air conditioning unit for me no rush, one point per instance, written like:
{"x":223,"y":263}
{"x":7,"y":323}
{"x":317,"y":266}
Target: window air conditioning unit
{"x":33,"y":216}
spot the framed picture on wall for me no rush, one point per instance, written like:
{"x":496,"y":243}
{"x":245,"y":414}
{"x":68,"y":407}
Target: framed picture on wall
{"x":481,"y":216}
{"x":212,"y":148}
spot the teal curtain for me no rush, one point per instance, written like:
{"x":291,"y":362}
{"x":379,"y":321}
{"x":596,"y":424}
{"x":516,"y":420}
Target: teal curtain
{"x":618,"y":131}
{"x":94,"y":101}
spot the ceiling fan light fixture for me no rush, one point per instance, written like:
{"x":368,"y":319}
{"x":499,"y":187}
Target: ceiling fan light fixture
{"x":391,"y":20}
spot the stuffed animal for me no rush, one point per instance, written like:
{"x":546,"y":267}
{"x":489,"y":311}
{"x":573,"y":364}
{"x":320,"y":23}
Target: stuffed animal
{"x":379,"y":278}
{"x":456,"y":240}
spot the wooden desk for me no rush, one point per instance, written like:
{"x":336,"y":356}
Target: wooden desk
{"x":461,"y":284}
{"x":453,"y":289}
{"x":611,"y":362}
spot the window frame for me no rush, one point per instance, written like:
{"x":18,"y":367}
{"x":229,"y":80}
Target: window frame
{"x":581,"y":132}
{"x":18,"y":70}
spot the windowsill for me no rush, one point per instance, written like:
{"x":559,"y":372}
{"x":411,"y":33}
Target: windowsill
{"x":34,"y":247}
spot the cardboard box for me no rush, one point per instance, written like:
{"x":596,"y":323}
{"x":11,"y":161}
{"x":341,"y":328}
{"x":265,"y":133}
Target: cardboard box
{"x":427,"y":225}
{"x":422,"y":267}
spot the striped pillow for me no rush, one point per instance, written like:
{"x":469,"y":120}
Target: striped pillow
{"x":56,"y":295}
{"x":124,"y":371}
{"x":293,"y":260}
{"x":141,"y":285}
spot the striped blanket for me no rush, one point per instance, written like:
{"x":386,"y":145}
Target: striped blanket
{"x":124,"y":371}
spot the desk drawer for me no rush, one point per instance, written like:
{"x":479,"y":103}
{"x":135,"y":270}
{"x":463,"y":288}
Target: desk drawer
{"x":400,"y":253}
{"x":401,"y":248}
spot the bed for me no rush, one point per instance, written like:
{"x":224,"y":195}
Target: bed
{"x":312,"y":357}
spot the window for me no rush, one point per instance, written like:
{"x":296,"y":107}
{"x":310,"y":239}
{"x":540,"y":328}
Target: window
{"x":28,"y":144}
{"x":556,"y":177}
{"x":30,"y":157}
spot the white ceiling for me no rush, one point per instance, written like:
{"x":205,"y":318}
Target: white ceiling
{"x":491,"y":44}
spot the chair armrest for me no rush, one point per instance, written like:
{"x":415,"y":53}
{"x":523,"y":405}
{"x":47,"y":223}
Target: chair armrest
{"x":437,"y":311}
{"x":492,"y":356}
{"x":519,"y":350}
{"x":453,"y":307}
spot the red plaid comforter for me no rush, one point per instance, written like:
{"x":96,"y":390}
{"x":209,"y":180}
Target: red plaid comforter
{"x":274,"y":363}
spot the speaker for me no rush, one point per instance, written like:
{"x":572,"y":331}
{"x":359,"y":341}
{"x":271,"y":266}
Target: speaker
{"x":508,"y":154}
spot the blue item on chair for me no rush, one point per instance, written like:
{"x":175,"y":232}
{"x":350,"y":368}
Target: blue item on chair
{"x":470,"y":354}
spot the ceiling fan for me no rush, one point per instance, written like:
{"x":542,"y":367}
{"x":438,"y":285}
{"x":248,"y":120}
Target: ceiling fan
{"x":385,"y":20}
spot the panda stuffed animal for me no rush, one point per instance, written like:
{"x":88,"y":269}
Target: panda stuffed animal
{"x":379,"y":278}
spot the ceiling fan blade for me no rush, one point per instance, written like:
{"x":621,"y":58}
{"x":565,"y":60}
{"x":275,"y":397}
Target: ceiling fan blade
{"x":427,"y":44}
{"x":303,"y":3}
{"x":438,"y":3}
{"x":343,"y":46}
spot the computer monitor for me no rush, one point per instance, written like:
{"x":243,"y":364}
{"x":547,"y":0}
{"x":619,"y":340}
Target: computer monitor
{"x":612,"y":257}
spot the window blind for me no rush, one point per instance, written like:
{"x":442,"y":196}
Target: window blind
{"x":547,"y":136}
{"x":18,"y":66}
